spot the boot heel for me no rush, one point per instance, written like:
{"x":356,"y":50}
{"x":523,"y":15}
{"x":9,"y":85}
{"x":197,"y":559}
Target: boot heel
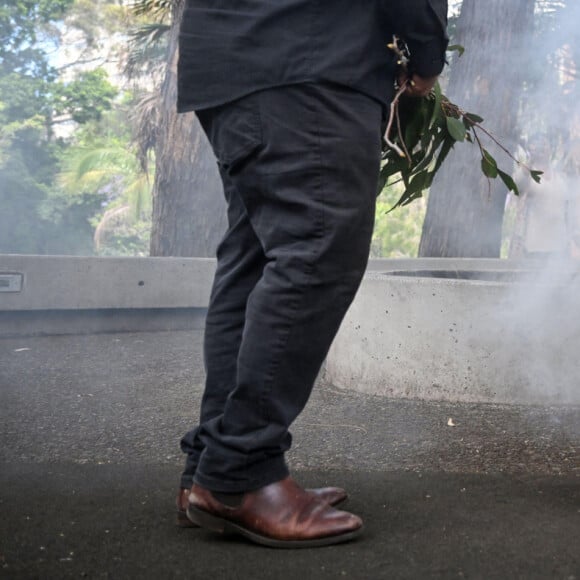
{"x":205,"y":520}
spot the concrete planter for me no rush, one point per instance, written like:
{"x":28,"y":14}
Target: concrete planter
{"x":463,"y":330}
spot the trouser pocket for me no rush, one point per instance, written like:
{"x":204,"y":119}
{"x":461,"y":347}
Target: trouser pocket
{"x":234,"y":132}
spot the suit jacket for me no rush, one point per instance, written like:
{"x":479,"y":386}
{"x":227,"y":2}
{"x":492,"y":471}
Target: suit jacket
{"x":231,"y":48}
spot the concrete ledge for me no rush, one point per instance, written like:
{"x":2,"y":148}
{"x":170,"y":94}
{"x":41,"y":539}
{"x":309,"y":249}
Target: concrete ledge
{"x":450,"y":264}
{"x":87,"y":283}
{"x":512,"y":340}
{"x":84,"y":295}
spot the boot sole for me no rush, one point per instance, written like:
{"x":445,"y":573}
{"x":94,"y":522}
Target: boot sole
{"x":183,"y":521}
{"x":223,"y":526}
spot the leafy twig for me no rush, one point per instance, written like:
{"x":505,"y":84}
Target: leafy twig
{"x":426,"y":131}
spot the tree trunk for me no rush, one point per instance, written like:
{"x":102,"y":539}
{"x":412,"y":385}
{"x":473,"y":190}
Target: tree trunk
{"x":464,"y":211}
{"x":188,"y":204}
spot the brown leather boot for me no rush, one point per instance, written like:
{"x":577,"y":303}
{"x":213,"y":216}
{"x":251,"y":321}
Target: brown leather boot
{"x":331,"y":495}
{"x":279,"y":515}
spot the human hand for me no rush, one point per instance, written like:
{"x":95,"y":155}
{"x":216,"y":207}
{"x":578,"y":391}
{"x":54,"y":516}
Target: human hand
{"x":416,"y":86}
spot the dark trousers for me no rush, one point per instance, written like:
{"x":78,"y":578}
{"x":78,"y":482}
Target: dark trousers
{"x":300,"y":167}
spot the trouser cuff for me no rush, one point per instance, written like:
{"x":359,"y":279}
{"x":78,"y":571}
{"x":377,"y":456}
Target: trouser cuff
{"x":255,"y":478}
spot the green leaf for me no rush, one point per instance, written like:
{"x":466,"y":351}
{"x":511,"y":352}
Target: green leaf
{"x":536,"y":175}
{"x":445,"y":150}
{"x":509,"y":182}
{"x":428,"y":155}
{"x":393,"y":165}
{"x":405,"y":199}
{"x":416,"y":125}
{"x":488,"y":165}
{"x":420,"y":181}
{"x":456,"y":129}
{"x":456,"y":48}
{"x":414,"y":190}
{"x":412,"y":198}
{"x":472,"y":118}
{"x":437,"y":111}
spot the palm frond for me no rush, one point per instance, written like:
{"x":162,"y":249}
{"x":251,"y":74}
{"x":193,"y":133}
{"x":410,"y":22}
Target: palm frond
{"x":155,"y":8}
{"x":146,"y":120}
{"x":149,"y":33}
{"x":147,"y":46}
{"x":109,"y":218}
{"x":91,"y":159}
{"x":138,"y":194}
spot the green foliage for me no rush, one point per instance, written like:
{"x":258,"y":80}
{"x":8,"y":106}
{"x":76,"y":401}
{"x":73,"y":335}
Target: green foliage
{"x":26,"y":178}
{"x":427,"y":129}
{"x":126,"y":239}
{"x":94,"y":18}
{"x":397,"y":234}
{"x":103,"y":163}
{"x":34,"y":218}
{"x":426,"y":137}
{"x":455,"y":128}
{"x":22,"y":24}
{"x":86,"y":98}
{"x":24,"y":68}
{"x":457,"y":48}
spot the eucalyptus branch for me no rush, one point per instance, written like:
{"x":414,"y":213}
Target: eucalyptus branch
{"x":427,"y":128}
{"x":400,"y":132}
{"x":457,"y":111}
{"x":479,"y":143}
{"x":483,"y":153}
{"x":392,"y":116}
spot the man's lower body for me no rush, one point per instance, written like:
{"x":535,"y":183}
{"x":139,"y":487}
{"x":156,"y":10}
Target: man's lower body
{"x":300,"y":169}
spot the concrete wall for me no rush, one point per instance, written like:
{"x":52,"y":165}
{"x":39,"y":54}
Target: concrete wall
{"x":80,"y":283}
{"x":445,"y":339}
{"x":68,"y":295}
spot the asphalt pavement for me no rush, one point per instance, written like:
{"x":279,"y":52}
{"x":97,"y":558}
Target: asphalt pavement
{"x":90,"y":462}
